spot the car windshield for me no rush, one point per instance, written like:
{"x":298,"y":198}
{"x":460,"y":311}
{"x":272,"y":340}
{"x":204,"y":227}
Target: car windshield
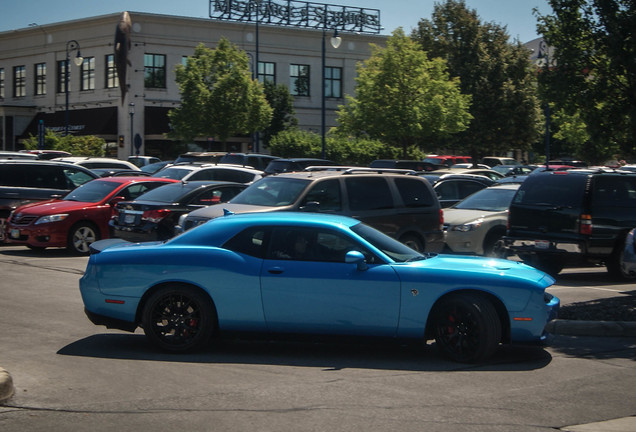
{"x":397,"y":251}
{"x":173,"y":173}
{"x":93,"y":191}
{"x":168,"y":193}
{"x":489,"y":199}
{"x":272,"y":192}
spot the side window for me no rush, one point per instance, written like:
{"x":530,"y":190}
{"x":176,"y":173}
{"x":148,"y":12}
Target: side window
{"x":249,"y":242}
{"x":311,"y":244}
{"x":447,"y":190}
{"x":615,"y":191}
{"x":368,"y":193}
{"x":133,"y":191}
{"x":11,"y":175}
{"x":214,"y":196}
{"x":49,"y":177}
{"x":75,"y":177}
{"x":326,"y":194}
{"x":414,"y":193}
{"x":469,"y":188}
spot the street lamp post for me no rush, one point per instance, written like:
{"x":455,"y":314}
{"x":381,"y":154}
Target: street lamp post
{"x":335,"y":42}
{"x":544,"y":54}
{"x":131,"y":111}
{"x":70,"y":46}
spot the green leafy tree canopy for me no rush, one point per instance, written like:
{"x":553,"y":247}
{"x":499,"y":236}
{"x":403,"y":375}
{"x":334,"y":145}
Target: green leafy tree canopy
{"x":403,"y":98}
{"x":219,"y":98}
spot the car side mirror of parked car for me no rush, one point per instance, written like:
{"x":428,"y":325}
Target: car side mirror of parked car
{"x":116,"y":200}
{"x":355,"y":257}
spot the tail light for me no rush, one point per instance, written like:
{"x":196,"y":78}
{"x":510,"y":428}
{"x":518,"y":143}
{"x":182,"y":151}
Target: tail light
{"x":441,"y":219}
{"x":155,"y":215}
{"x":585,"y":226}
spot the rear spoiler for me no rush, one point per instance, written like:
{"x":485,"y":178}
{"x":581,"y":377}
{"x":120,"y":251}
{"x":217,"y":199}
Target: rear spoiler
{"x":100,"y":245}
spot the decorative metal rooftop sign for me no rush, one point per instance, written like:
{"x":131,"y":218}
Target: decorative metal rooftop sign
{"x":298,"y":14}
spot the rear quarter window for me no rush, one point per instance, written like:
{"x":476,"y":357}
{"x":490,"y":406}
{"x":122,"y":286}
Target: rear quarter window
{"x":414,"y":193}
{"x":614,"y":191}
{"x":369,"y":193}
{"x":558,"y":190}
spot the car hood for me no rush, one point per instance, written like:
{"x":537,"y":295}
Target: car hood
{"x":480,"y":270}
{"x":217,"y":210}
{"x":53,"y":207}
{"x":461,"y":216}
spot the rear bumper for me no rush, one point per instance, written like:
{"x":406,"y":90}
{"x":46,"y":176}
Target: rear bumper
{"x":526,"y":246}
{"x":111,"y":323}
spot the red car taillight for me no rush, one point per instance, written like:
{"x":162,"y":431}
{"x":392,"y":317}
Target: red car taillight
{"x":155,"y":215}
{"x":441,"y":219}
{"x":585,"y":226}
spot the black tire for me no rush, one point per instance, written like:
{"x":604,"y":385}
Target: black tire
{"x":81,"y":236}
{"x":178,"y":318}
{"x":615,"y":266}
{"x":494,"y":246}
{"x":550,"y":265}
{"x":467,"y":328}
{"x":413,"y":242}
{"x":36,"y":248}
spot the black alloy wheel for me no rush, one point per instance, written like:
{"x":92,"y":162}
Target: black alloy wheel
{"x":467,"y":328}
{"x":178,"y":318}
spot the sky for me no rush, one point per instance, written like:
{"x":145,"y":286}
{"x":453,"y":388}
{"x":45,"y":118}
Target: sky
{"x":516,"y":15}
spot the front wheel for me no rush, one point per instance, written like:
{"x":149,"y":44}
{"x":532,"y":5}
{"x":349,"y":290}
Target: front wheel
{"x":80,"y":237}
{"x":467,"y":328}
{"x":413,"y":242}
{"x":178,"y":319}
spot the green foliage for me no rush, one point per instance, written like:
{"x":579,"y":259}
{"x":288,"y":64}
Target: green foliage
{"x":218,"y":96}
{"x":84,"y":145}
{"x":495,"y":72}
{"x":341,"y":149}
{"x":403,"y":98}
{"x":592,"y":74}
{"x":282,"y":103}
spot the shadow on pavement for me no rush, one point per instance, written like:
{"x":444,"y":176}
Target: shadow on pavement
{"x":331,"y":356}
{"x":597,"y":348}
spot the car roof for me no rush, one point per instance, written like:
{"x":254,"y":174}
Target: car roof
{"x":127,"y":179}
{"x":201,"y":165}
{"x":321,"y":172}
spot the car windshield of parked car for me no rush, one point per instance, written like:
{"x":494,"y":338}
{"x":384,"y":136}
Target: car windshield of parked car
{"x":395,"y":250}
{"x":489,"y":199}
{"x":93,"y":191}
{"x":272,"y":192}
{"x":167,"y":194}
{"x":172,"y":173}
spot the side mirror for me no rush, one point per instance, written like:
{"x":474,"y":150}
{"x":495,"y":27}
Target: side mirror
{"x":116,"y":200}
{"x":355,"y":257}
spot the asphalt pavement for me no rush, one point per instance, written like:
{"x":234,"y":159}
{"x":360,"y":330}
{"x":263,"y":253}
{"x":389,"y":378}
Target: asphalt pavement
{"x":557,"y":327}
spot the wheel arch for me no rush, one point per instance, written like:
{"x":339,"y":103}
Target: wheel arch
{"x":175,"y":284}
{"x":502,"y":312}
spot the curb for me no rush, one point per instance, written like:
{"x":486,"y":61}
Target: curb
{"x":592,"y":328}
{"x":6,"y":385}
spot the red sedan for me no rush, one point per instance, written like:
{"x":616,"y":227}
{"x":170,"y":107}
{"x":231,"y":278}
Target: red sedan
{"x":79,"y":218}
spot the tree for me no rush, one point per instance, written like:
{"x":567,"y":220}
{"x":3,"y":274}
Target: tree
{"x":495,"y":72}
{"x":82,"y":145}
{"x":592,"y":73}
{"x":282,"y":104}
{"x":403,"y":98}
{"x":218,"y":96}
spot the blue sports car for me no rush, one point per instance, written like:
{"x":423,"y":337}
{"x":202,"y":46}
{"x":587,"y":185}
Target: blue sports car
{"x":311,"y":274}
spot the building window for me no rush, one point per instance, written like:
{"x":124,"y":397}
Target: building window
{"x":154,"y":71}
{"x":1,"y":83}
{"x":61,"y":76}
{"x":87,"y":72}
{"x":184,"y":61}
{"x":111,"y":72}
{"x":299,"y":80}
{"x":333,"y":82}
{"x":19,"y":81}
{"x":40,"y":79}
{"x":267,"y":72}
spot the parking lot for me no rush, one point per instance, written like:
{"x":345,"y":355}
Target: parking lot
{"x":72,"y":375}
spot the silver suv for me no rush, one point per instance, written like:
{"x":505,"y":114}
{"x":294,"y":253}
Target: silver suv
{"x":396,"y":202}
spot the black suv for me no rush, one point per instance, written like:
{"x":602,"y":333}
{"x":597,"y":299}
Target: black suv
{"x":25,"y":181}
{"x":401,"y":205}
{"x":561,"y":218}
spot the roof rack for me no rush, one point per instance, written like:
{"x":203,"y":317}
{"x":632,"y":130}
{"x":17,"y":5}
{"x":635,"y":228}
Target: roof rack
{"x":355,"y":169}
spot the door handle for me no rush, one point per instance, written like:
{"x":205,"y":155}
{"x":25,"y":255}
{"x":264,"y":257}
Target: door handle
{"x":275,"y":270}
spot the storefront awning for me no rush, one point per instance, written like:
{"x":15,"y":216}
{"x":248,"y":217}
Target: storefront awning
{"x":95,"y":121}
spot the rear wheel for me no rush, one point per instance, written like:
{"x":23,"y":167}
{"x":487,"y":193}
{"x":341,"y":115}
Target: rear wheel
{"x":467,"y":328}
{"x":81,"y":236}
{"x":178,"y":318}
{"x":494,"y":246}
{"x":616,"y":264}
